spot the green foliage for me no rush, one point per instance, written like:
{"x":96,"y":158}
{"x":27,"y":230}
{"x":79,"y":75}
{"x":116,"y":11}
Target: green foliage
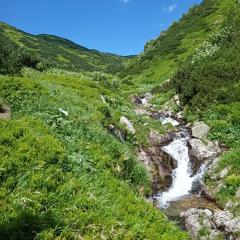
{"x":13,"y":57}
{"x":68,"y":178}
{"x":176,"y":44}
{"x":57,"y":52}
{"x":220,"y":77}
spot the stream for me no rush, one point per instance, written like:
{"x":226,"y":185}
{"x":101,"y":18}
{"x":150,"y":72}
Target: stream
{"x":183,"y":178}
{"x":179,"y":197}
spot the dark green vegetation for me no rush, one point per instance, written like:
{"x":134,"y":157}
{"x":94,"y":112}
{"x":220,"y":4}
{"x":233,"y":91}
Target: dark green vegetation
{"x":58,"y":52}
{"x":67,"y":176}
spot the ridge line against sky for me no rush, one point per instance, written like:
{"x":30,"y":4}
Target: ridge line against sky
{"x":116,"y":26}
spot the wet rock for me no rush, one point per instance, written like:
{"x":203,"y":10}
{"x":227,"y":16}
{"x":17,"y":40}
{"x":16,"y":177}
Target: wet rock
{"x":200,"y":130}
{"x":159,"y":166}
{"x":210,"y":192}
{"x":128,"y":125}
{"x":179,"y":115}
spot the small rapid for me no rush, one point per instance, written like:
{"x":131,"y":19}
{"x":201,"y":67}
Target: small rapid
{"x":183,"y":178}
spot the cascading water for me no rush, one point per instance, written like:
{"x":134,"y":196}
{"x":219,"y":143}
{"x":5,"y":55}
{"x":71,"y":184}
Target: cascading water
{"x":178,"y":149}
{"x":182,"y":175}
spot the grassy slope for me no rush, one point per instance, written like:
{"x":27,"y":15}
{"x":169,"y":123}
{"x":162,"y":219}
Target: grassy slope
{"x":209,"y":89}
{"x":62,"y":52}
{"x":163,"y":55}
{"x":67,"y":177}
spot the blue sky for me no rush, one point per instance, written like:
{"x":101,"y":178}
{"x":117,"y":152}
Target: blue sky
{"x":117,"y":26}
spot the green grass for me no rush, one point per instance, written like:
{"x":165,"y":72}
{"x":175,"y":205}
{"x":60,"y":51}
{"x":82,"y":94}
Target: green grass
{"x":67,"y":177}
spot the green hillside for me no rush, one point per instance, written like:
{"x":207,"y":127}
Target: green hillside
{"x":61,"y":52}
{"x":164,"y":54}
{"x":64,"y":173}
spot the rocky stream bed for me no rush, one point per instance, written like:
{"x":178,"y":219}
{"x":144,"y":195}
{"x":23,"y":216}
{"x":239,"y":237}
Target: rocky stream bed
{"x":177,"y":163}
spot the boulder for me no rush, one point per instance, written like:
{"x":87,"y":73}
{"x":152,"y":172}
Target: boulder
{"x":220,"y":218}
{"x":200,"y":130}
{"x":156,"y":139}
{"x":210,"y":192}
{"x":203,"y":151}
{"x":233,"y":225}
{"x":196,"y":220}
{"x":127,"y":124}
{"x":224,"y":220}
{"x":159,"y":166}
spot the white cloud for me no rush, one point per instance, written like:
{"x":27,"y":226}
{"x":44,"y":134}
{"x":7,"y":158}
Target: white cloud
{"x":170,"y":8}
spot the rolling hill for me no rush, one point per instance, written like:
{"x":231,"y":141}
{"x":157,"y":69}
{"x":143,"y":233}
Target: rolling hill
{"x":61,"y":52}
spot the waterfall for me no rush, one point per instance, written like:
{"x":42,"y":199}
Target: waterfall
{"x":182,"y":175}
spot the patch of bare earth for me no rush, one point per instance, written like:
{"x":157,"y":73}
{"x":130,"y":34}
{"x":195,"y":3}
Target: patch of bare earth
{"x":5,"y":112}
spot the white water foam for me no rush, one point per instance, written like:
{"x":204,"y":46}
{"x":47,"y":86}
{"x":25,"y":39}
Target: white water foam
{"x":166,"y":120}
{"x":182,"y":179}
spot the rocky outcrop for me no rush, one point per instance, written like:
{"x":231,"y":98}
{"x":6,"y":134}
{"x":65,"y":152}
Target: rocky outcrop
{"x":127,"y":125}
{"x":202,"y":152}
{"x":198,"y":224}
{"x":200,"y":130}
{"x":159,"y":166}
{"x":159,"y":140}
{"x":208,"y":225}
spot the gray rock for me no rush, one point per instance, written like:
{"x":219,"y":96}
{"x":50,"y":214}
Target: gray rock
{"x":200,"y":130}
{"x":156,"y":139}
{"x":204,"y":150}
{"x":197,"y":219}
{"x":233,"y":225}
{"x":128,"y":125}
{"x":220,"y":218}
{"x":212,"y":167}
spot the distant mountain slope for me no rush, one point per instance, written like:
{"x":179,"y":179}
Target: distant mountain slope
{"x":63,"y":53}
{"x":162,"y":55}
